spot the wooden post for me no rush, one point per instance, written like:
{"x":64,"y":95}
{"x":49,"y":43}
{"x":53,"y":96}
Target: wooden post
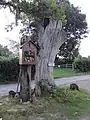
{"x":73,"y":67}
{"x":29,"y":75}
{"x":17,"y":90}
{"x":24,"y":84}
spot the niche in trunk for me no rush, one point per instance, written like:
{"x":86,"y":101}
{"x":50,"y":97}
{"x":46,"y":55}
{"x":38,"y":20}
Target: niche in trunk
{"x":33,"y":70}
{"x":46,"y":22}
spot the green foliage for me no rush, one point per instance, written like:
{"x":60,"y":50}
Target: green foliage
{"x":82,"y":65}
{"x":4,"y":51}
{"x":37,"y":10}
{"x":76,"y":29}
{"x":14,"y":46}
{"x":58,"y":11}
{"x":69,"y":50}
{"x":9,"y":70}
{"x":60,"y":61}
{"x":62,"y":95}
{"x":40,"y":9}
{"x":65,"y":95}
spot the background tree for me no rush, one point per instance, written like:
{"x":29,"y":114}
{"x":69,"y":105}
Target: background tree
{"x":89,"y":57}
{"x":76,"y":29}
{"x":14,"y":47}
{"x":5,"y":52}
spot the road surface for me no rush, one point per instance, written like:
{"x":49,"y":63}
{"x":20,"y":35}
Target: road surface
{"x":82,"y":81}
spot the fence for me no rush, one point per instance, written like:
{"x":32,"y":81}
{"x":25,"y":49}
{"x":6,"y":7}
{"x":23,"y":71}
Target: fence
{"x":66,"y":66}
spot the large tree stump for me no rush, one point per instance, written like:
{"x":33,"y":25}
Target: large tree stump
{"x":50,"y":39}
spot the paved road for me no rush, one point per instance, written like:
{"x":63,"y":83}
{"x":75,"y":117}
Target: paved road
{"x":64,"y":81}
{"x":82,"y":81}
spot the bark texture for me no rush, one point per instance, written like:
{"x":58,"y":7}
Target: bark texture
{"x":50,"y":41}
{"x":25,"y":83}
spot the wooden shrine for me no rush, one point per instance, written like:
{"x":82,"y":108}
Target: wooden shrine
{"x":27,"y":53}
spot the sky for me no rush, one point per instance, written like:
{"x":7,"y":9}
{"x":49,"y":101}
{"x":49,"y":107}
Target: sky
{"x":85,"y":43}
{"x":6,"y":18}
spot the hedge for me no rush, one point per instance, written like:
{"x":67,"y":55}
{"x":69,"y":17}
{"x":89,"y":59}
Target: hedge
{"x":82,"y":65}
{"x":9,"y":70}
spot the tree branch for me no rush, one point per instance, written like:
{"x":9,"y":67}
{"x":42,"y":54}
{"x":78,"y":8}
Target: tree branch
{"x":3,"y":3}
{"x":15,"y":5}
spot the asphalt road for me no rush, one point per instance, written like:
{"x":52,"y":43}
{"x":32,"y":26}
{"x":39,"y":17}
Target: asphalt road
{"x":82,"y":81}
{"x":64,"y":81}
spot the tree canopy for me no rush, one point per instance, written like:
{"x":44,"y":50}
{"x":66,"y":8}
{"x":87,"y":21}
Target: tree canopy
{"x":74,"y":21}
{"x":76,"y":28}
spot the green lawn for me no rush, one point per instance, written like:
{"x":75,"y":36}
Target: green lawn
{"x":48,"y":108}
{"x":65,"y":72}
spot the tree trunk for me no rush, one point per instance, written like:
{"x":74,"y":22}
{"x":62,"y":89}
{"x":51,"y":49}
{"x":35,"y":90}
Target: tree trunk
{"x":25,"y":83}
{"x":49,"y":41}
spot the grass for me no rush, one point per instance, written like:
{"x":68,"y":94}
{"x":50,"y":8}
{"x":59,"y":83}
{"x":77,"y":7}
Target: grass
{"x":66,"y":72}
{"x":62,"y":105}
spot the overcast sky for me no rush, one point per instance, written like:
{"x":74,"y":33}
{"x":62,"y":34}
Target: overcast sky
{"x":85,"y":7}
{"x":7,"y":18}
